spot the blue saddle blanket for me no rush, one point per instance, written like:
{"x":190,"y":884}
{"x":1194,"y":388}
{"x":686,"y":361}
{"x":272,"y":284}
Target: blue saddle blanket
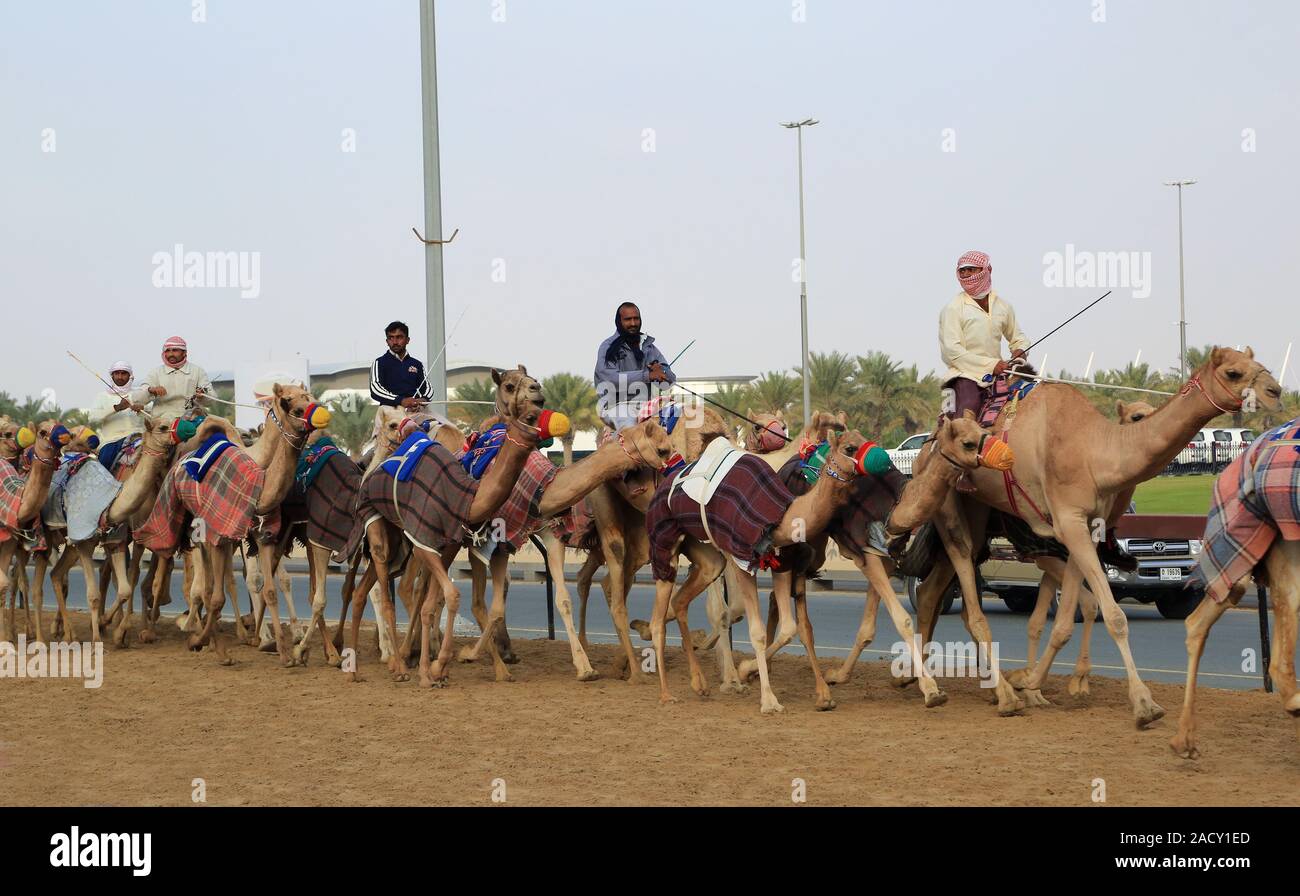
{"x":402,"y":463}
{"x":198,"y":463}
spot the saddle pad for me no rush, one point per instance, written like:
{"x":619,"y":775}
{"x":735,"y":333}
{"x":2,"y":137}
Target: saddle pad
{"x":701,"y":479}
{"x":201,"y":461}
{"x":407,"y":457}
{"x":86,"y":496}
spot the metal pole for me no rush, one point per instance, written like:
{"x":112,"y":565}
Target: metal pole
{"x":803,"y":296}
{"x":1182,"y":302}
{"x":550,"y":588}
{"x":1265,"y":648}
{"x":435,"y":317}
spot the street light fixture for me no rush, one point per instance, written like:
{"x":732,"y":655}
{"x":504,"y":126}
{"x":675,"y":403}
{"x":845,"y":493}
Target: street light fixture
{"x":1182,"y":304}
{"x":803,"y":276}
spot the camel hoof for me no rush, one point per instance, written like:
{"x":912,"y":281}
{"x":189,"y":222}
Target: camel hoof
{"x":747,"y":670}
{"x":355,"y":677}
{"x":665,"y":699}
{"x":701,"y":691}
{"x":504,"y":676}
{"x":399,"y":677}
{"x":836,"y":677}
{"x":769,"y":708}
{"x":509,"y":658}
{"x":147,"y":637}
{"x":119,"y":638}
{"x":1293,"y":706}
{"x":1184,"y":747}
{"x":1034,"y":697}
{"x":194,"y":643}
{"x":641,"y":627}
{"x":824,"y":705}
{"x":938,"y":698}
{"x":589,"y":675}
{"x":1011,"y":709}
{"x":733,"y":687}
{"x":1148,"y":712}
{"x":901,"y":683}
{"x":1017,"y":678}
{"x":466,"y":655}
{"x":1078,"y":686}
{"x":225,"y":661}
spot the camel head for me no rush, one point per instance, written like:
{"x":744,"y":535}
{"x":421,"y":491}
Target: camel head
{"x":965,"y":443}
{"x":8,"y":439}
{"x":1234,"y":380}
{"x":518,"y":394}
{"x":296,"y":411}
{"x":157,"y":434}
{"x":648,"y":443}
{"x":852,"y":454}
{"x":38,"y":437}
{"x":1133,"y":411}
{"x":767,"y":433}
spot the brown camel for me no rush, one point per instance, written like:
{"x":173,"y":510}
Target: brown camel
{"x":263,"y":475}
{"x":1071,"y":465}
{"x":136,"y":496}
{"x":21,"y":501}
{"x":750,"y":500}
{"x":644,"y":445}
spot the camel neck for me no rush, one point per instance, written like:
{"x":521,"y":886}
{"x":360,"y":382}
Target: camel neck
{"x":495,"y":486}
{"x":1136,"y":452}
{"x":283,"y":453}
{"x":35,"y":490}
{"x":922,"y":496}
{"x":143,"y":485}
{"x":815,"y":508}
{"x":573,"y":482}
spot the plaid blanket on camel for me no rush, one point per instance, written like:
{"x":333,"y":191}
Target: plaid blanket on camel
{"x":872,"y":499}
{"x":1256,"y":499}
{"x":331,"y":503}
{"x":431,"y":507}
{"x":11,"y":497}
{"x":520,"y":513}
{"x":224,"y":501}
{"x":747,"y":506}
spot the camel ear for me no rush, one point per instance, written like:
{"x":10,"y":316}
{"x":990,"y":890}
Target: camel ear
{"x":780,"y":415}
{"x":496,"y":376}
{"x":1250,"y":353}
{"x":278,"y":390}
{"x":1120,"y":409}
{"x":844,"y":418}
{"x":523,"y":369}
{"x":968,"y":414}
{"x":1216,"y":356}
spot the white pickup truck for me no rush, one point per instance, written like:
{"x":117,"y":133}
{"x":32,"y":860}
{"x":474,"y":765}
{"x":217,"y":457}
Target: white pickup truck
{"x":905,"y":453}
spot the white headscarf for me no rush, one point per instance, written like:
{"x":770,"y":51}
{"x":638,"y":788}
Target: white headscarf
{"x":121,"y":390}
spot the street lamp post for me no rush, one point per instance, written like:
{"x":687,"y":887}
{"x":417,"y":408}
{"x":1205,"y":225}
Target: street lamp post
{"x":803,"y":274}
{"x":435,"y":317}
{"x":1182,"y":303}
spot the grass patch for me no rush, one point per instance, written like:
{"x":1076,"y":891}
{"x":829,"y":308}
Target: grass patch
{"x":1175,"y":494}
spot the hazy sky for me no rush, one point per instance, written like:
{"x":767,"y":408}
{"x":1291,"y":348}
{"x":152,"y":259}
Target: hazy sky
{"x":229,"y":135}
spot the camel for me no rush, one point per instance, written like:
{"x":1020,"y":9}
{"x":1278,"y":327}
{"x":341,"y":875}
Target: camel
{"x":620,"y":541}
{"x":135,"y":495}
{"x":905,"y":505}
{"x":1071,"y":465}
{"x":767,"y":435}
{"x":752,"y":512}
{"x":462,"y":503}
{"x":551,"y":493}
{"x":21,"y":501}
{"x":243,"y":489}
{"x":1252,"y":529}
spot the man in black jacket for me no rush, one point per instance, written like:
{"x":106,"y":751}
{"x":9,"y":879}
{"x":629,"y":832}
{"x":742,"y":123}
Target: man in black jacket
{"x":396,"y":378}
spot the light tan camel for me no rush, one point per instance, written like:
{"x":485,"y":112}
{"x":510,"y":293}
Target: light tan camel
{"x":134,"y":500}
{"x":519,"y":401}
{"x":644,"y":445}
{"x":620,"y":527}
{"x":958,"y":443}
{"x":1282,"y":567}
{"x":804,"y":517}
{"x":275,"y":452}
{"x":756,"y":442}
{"x":1071,"y":465}
{"x":27,"y":501}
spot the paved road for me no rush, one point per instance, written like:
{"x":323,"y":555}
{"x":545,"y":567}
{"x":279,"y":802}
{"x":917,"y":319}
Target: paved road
{"x":1157,"y":643}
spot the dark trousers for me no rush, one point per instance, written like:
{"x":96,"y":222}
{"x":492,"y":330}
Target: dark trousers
{"x":967,"y":396}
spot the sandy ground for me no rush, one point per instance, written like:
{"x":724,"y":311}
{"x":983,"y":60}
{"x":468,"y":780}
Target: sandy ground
{"x":259,"y":734}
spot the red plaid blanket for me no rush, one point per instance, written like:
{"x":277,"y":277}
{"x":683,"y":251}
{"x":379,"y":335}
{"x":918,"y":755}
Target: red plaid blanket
{"x":520,"y":513}
{"x":872,"y":499}
{"x":224,"y":501}
{"x":431,"y":506}
{"x":11,"y":497}
{"x":576,"y":527}
{"x":744,"y":510}
{"x":1256,"y":499}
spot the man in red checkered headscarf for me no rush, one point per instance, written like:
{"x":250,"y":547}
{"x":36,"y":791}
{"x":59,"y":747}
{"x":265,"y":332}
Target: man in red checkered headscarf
{"x":971,"y":329}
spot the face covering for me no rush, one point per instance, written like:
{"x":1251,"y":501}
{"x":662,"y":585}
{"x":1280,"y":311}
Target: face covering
{"x":977,"y":284}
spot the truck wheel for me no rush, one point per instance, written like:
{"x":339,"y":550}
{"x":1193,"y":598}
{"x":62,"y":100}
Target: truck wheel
{"x":954,"y":592}
{"x":1020,"y":601}
{"x":1178,"y":604}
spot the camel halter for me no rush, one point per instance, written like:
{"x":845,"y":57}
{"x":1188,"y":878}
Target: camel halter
{"x":1195,"y":383}
{"x":640,"y":459}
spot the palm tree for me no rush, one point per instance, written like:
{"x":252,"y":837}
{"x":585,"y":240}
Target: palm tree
{"x":831,"y":384}
{"x":737,"y":397}
{"x":352,"y":423}
{"x":473,"y":415}
{"x":775,"y":391}
{"x":575,"y":397}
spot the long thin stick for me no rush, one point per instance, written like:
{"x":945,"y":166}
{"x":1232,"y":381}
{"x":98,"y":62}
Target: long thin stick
{"x":1048,"y":379}
{"x":1072,"y":317}
{"x":730,"y":411}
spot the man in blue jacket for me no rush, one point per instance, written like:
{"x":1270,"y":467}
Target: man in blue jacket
{"x":630,"y":369}
{"x":397,"y":379}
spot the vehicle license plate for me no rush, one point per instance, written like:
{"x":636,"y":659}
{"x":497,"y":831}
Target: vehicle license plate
{"x":1171,"y":574}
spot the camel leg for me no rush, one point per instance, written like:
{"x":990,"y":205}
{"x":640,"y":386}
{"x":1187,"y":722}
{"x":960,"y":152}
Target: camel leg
{"x":722,"y":615}
{"x":878,"y":579}
{"x":122,"y":582}
{"x":585,"y":575}
{"x":6,"y":583}
{"x":706,"y":566}
{"x":867,"y":627}
{"x":386,"y":615}
{"x":107,"y":576}
{"x":349,"y":582}
{"x":1048,"y":585}
{"x":658,"y":624}
{"x":500,"y":568}
{"x":577,"y":647}
{"x":616,"y":594}
{"x":412,"y":591}
{"x":478,"y":573}
{"x":1283,"y":563}
{"x":271,"y":599}
{"x":357,"y":600}
{"x":215,"y":559}
{"x":435,"y":674}
{"x":1198,"y":626}
{"x":59,"y":582}
{"x":317,"y":558}
{"x":84,"y":552}
{"x":824,"y":701}
{"x":1078,"y":686}
{"x":758,"y":639}
{"x":786,"y":628}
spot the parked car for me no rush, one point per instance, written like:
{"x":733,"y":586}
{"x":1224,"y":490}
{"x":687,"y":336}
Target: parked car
{"x":1165,"y":546}
{"x":1211,"y":449}
{"x":906,"y":452}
